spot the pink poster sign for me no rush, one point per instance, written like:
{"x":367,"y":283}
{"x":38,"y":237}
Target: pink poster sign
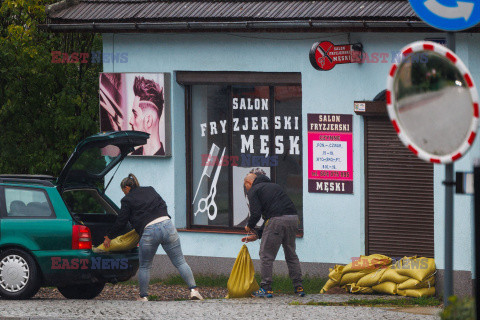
{"x":330,"y":153}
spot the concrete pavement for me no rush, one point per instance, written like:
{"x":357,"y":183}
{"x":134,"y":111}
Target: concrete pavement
{"x":279,"y":307}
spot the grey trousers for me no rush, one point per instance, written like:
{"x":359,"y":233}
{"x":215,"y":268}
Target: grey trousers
{"x":279,"y":231}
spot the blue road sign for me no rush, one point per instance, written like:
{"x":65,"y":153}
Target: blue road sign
{"x":448,"y":15}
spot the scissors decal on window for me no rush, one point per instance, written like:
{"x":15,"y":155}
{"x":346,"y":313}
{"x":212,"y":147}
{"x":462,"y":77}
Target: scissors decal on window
{"x":208,"y":204}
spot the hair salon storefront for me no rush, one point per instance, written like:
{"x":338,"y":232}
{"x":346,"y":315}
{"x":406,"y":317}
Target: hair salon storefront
{"x":245,"y":96}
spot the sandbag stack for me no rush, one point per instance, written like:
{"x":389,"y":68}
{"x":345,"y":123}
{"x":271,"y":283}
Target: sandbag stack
{"x":376,"y":273}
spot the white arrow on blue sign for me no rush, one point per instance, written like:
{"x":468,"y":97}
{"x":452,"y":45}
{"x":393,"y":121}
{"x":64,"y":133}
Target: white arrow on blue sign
{"x":448,"y":15}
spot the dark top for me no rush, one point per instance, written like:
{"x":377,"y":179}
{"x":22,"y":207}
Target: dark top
{"x":140,"y":206}
{"x":267,"y":200}
{"x":139,"y":151}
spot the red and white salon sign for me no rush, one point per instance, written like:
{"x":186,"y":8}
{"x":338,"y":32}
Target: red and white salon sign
{"x":330,"y":153}
{"x":325,"y":55}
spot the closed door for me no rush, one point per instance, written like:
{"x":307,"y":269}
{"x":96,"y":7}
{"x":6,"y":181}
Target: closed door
{"x":399,"y":195}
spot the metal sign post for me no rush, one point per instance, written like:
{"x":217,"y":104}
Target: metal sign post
{"x":449,"y":192}
{"x":448,"y":272}
{"x":476,"y":183}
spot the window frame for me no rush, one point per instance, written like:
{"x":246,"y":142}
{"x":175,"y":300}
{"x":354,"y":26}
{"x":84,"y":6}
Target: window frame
{"x":190,"y":78}
{"x":4,"y":211}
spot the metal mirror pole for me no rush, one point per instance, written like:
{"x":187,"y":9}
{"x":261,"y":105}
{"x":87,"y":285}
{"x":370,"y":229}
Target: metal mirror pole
{"x":448,"y":275}
{"x":476,"y":187}
{"x":449,"y":192}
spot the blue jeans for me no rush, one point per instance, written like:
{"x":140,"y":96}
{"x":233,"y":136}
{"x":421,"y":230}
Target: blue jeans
{"x":163,"y":233}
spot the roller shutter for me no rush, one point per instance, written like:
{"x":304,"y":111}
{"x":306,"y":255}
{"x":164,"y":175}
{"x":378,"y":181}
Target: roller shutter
{"x":399,"y":195}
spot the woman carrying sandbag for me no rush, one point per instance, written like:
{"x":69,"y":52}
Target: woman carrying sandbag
{"x":147,"y":212}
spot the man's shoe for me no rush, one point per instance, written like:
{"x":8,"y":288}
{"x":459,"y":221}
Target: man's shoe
{"x":195,"y":295}
{"x":141,"y":299}
{"x":299,"y":291}
{"x":262,"y":293}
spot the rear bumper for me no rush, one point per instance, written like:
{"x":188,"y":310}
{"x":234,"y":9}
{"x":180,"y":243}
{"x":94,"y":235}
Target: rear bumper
{"x":67,"y":267}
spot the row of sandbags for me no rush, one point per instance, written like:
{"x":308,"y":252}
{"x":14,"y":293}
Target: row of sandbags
{"x":409,"y":276}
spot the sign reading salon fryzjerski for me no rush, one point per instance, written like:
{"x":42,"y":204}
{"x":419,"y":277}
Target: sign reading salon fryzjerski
{"x":330,"y":153}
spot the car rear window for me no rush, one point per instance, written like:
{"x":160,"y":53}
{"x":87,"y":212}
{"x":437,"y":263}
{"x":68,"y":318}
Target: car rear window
{"x":86,"y":201}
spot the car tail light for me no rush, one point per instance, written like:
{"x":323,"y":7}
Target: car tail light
{"x":81,"y":237}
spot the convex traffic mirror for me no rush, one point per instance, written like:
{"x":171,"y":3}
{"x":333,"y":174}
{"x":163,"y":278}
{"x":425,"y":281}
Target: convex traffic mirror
{"x":433,"y":102}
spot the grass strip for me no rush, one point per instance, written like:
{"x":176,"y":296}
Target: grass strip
{"x":281,"y":284}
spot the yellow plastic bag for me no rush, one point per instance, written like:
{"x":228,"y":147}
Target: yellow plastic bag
{"x":386,"y":287}
{"x":353,"y":288}
{"x":416,"y":268}
{"x":242,"y":282}
{"x":124,"y":242}
{"x":393,"y":276}
{"x":352,"y":277}
{"x":336,"y":273}
{"x":371,"y":279}
{"x":330,"y":284}
{"x":415,"y":284}
{"x":417,"y":293}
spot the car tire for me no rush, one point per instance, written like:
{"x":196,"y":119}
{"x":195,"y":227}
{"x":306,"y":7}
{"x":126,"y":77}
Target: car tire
{"x":19,"y":275}
{"x":82,"y":291}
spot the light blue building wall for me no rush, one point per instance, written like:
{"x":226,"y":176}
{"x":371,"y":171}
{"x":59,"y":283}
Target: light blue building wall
{"x":334,"y":226}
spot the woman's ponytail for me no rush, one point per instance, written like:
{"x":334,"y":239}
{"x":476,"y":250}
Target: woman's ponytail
{"x":130,"y":181}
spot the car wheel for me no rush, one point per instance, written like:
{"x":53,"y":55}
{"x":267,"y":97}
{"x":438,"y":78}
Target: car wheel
{"x":82,"y":291}
{"x":19,"y":275}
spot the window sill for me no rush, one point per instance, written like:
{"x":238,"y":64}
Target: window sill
{"x":223,"y":231}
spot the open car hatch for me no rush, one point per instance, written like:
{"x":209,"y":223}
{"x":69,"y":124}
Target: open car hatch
{"x":97,"y":155}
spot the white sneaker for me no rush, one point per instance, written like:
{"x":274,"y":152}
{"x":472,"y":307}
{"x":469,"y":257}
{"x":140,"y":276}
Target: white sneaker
{"x":141,"y":299}
{"x":195,"y":295}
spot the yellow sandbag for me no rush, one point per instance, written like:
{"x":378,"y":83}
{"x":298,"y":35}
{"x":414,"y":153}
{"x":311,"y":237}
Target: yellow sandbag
{"x":336,"y":273}
{"x":371,"y":263}
{"x":124,"y":242}
{"x":386,"y":287}
{"x":371,"y":279}
{"x":352,"y":277}
{"x":415,"y":284}
{"x":348,"y":278}
{"x":353,"y":288}
{"x":242,"y":282}
{"x":393,"y":276}
{"x":417,"y":293}
{"x":416,"y":268}
{"x":330,"y":284}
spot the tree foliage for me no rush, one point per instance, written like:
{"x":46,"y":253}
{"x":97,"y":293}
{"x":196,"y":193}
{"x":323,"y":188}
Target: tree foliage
{"x":45,"y":108}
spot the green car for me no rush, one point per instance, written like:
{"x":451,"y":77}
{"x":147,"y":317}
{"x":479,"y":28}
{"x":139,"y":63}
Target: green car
{"x":48,"y":226}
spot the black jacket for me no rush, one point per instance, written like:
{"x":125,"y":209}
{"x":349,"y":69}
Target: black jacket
{"x":267,"y":200}
{"x":140,"y":206}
